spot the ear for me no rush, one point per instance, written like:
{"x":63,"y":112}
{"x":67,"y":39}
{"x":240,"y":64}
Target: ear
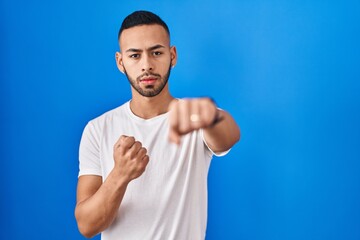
{"x":119,"y":62}
{"x":173,"y":56}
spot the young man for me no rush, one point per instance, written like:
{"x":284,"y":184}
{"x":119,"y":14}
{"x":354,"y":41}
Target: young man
{"x":144,"y":165}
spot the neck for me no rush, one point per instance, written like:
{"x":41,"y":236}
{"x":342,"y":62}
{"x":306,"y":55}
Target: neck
{"x":149,"y":107}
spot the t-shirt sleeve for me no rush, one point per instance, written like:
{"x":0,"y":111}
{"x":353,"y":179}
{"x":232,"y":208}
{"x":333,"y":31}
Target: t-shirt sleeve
{"x":218,"y":154}
{"x":89,"y":151}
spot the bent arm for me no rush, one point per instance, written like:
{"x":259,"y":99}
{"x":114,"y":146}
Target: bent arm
{"x":98,"y":203}
{"x":224,"y":134}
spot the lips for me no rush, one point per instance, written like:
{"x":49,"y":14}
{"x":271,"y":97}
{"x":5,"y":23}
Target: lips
{"x":148,"y":80}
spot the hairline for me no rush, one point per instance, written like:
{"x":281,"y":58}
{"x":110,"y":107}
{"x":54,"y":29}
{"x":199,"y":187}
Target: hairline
{"x":144,"y":24}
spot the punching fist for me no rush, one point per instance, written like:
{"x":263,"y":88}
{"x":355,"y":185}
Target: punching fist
{"x":187,"y":115}
{"x":130,"y":157}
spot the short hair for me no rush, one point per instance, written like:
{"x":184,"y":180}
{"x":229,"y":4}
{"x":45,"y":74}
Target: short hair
{"x":138,"y":18}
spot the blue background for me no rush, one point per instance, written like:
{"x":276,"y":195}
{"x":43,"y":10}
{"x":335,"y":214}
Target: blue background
{"x":288,"y":71}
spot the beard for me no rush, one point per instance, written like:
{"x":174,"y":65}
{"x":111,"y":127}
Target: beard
{"x":150,"y":90}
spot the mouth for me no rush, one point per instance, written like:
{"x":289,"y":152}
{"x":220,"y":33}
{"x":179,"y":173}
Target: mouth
{"x":148,"y":80}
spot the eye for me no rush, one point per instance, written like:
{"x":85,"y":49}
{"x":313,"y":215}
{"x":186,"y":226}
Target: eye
{"x":157,"y":53}
{"x":135,"y":55}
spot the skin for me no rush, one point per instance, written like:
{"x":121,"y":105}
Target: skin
{"x":146,"y":58}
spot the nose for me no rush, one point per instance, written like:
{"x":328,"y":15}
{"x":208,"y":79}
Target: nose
{"x":147,"y":64}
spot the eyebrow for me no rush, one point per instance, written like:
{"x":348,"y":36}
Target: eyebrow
{"x":149,"y":49}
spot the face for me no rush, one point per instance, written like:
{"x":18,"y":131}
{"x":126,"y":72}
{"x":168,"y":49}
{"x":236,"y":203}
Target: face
{"x":146,"y":59}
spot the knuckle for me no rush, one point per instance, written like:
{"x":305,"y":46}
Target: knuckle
{"x":173,"y":104}
{"x":128,"y":142}
{"x":183,"y":103}
{"x":122,"y":138}
{"x":137,"y":144}
{"x":130,"y":139}
{"x":206,"y":102}
{"x":142,"y":152}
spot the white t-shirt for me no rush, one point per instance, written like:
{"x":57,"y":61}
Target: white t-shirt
{"x":169,"y":200}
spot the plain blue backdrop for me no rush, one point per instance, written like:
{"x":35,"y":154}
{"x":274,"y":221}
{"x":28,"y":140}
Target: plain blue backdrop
{"x":288,"y":71}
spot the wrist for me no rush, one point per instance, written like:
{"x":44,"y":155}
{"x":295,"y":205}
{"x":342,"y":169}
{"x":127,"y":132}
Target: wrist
{"x":218,"y":114}
{"x":119,"y":178}
{"x":218,"y":117}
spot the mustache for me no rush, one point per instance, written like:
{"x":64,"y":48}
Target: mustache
{"x":148,"y":74}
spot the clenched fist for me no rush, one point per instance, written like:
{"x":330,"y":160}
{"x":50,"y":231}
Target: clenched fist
{"x":130,"y":157}
{"x":187,"y":115}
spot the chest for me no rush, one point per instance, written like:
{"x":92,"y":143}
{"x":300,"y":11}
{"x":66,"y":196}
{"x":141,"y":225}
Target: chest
{"x":164,"y":155}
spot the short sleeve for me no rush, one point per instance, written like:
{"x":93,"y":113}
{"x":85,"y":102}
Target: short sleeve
{"x":218,"y":154}
{"x":89,"y":151}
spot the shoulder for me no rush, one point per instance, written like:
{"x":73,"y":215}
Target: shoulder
{"x":97,"y":125}
{"x":110,"y":115}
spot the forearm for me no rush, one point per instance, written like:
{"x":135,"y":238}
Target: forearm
{"x":97,"y":212}
{"x":224,"y":134}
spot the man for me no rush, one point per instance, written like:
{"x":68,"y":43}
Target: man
{"x":144,"y":165}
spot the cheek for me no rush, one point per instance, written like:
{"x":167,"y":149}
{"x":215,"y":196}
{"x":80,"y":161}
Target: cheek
{"x":131,"y":69}
{"x":164,"y":65}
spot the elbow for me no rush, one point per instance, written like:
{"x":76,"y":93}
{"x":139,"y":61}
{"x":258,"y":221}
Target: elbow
{"x":85,"y":231}
{"x":233,"y":132}
{"x":237,"y":135}
{"x":84,"y":227}
{"x":234,"y":137}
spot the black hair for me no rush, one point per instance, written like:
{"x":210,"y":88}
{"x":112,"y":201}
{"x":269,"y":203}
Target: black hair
{"x":142,"y":18}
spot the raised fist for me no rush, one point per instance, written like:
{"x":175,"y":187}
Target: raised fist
{"x":130,"y":157}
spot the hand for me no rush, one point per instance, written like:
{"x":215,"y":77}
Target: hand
{"x":130,"y":158}
{"x":189,"y":115}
